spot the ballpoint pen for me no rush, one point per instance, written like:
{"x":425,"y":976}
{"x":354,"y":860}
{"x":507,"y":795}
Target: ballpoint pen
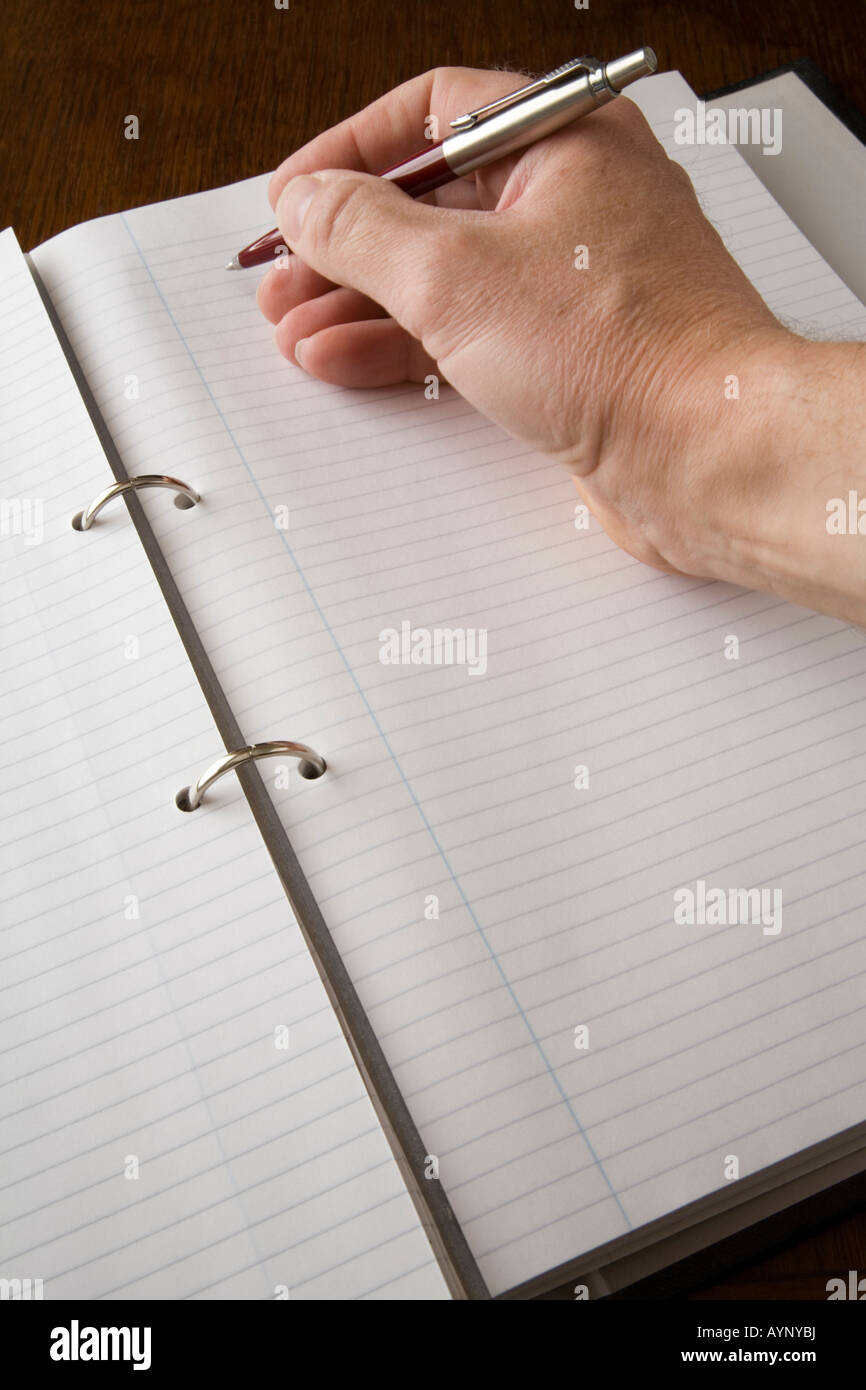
{"x":499,"y":128}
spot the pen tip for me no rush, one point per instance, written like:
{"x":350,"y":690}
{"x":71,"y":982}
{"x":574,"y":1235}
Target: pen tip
{"x":233,"y":264}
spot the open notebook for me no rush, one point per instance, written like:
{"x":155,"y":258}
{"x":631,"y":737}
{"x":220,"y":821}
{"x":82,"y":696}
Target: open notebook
{"x":183,"y":1115}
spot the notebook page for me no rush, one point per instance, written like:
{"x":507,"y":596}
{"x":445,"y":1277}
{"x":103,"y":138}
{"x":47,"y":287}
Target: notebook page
{"x":819,"y":174}
{"x":155,"y":1141}
{"x":485,"y":906}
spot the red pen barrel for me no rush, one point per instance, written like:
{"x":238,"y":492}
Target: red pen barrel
{"x":497,"y":129}
{"x":263,"y":250}
{"x":421,"y":172}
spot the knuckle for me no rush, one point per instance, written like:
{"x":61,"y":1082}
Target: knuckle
{"x":336,"y":213}
{"x":682,"y":189}
{"x":444,"y":79}
{"x":452,"y":298}
{"x":631,"y":116}
{"x":434,"y":289}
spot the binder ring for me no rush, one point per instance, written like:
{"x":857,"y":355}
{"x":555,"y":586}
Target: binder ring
{"x":186,"y":496}
{"x":310,"y":765}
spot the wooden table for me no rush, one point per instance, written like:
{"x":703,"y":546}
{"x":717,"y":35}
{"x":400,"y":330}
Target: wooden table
{"x":224,"y":90}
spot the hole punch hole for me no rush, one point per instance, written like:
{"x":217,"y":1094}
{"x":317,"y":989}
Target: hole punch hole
{"x":310,"y":766}
{"x":77,"y":520}
{"x":310,"y":771}
{"x":182,"y":502}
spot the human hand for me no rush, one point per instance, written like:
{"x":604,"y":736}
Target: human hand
{"x":616,"y":370}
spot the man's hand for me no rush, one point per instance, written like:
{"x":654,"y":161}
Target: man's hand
{"x":616,"y":368}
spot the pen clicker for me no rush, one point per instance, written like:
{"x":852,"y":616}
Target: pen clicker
{"x":499,"y":128}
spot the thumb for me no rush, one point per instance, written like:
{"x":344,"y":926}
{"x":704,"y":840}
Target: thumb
{"x":425,"y":265}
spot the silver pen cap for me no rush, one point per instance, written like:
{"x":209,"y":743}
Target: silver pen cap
{"x":519,"y":118}
{"x":624,"y":70}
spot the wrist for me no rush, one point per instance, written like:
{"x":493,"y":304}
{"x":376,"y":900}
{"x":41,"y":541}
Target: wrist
{"x":773,"y":445}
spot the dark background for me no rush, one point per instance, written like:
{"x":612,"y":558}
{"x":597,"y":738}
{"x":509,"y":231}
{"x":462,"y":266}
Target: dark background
{"x":224,"y":90}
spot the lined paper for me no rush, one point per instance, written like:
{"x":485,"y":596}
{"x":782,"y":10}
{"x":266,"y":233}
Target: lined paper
{"x":455,"y":795}
{"x":155,"y":1142}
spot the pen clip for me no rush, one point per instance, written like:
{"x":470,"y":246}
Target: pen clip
{"x":550,"y":79}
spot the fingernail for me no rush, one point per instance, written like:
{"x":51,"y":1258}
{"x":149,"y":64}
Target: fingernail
{"x":293,"y":203}
{"x":300,"y":348}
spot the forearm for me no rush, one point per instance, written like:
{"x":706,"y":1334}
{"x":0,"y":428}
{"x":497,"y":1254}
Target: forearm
{"x":770,"y":443}
{"x":805,"y":446}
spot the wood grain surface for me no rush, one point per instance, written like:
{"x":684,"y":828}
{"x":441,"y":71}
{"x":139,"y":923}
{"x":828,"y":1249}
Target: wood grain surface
{"x":224,"y":90}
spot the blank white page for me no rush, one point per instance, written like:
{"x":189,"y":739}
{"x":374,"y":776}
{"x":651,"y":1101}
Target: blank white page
{"x":819,"y":174}
{"x":453,"y":794}
{"x":155,"y":1142}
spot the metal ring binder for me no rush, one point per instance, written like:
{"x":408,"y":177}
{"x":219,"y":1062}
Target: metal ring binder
{"x":186,"y":496}
{"x":310,"y":765}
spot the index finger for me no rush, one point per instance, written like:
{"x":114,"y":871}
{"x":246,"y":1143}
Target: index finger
{"x":392,"y":127}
